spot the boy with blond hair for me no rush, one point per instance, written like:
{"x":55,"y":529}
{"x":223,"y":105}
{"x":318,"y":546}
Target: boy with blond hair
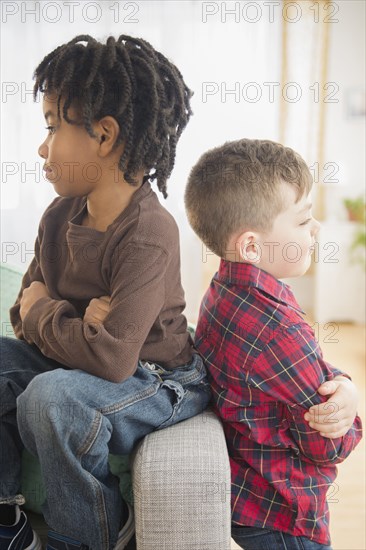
{"x":249,"y":202}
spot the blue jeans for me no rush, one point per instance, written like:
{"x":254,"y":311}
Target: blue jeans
{"x":253,"y":538}
{"x":72,"y":420}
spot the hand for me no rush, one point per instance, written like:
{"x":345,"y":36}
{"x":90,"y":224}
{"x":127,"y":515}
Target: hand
{"x":334,"y":417}
{"x":30,"y":296}
{"x":97,"y":310}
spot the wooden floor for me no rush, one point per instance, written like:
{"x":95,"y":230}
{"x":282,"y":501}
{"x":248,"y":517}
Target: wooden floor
{"x":346,"y":350}
{"x":347,"y":511}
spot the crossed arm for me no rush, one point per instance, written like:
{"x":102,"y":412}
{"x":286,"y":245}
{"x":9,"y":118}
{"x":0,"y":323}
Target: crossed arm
{"x":96,"y":311}
{"x":335,"y":417}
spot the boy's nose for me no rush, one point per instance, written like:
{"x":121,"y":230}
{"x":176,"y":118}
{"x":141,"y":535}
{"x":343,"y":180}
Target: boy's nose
{"x":316,"y":226}
{"x":43,"y":150}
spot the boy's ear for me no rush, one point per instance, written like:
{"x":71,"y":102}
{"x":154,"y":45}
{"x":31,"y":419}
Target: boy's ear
{"x":107,"y":130}
{"x":248,"y":247}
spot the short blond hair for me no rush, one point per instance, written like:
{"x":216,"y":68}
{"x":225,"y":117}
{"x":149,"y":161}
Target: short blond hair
{"x":236,"y":187}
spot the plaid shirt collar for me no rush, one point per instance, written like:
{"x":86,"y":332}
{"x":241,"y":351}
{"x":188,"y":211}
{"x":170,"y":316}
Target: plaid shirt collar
{"x":248,"y":275}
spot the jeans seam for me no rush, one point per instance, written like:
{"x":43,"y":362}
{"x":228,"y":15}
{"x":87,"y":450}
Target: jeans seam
{"x":152,"y":390}
{"x":102,"y":513}
{"x":283,"y":540}
{"x":194,"y":377}
{"x":88,"y":443}
{"x":197,"y":372}
{"x":93,"y":433}
{"x":180,"y":393}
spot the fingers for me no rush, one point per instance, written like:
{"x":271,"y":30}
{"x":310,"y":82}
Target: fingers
{"x":326,"y":425}
{"x":95,"y":317}
{"x":330,"y":431}
{"x":105,"y":299}
{"x":97,"y":310}
{"x":324,"y":412}
{"x":323,"y":417}
{"x":327,"y":388}
{"x":335,"y":417}
{"x":334,"y":435}
{"x":37,"y":283}
{"x":101,"y":302}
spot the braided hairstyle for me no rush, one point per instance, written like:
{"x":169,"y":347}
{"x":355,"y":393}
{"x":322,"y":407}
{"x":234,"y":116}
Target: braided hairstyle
{"x":130,"y":81}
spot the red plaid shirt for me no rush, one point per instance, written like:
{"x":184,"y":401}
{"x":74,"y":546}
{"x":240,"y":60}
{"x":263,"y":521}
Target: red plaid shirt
{"x":265,"y":367}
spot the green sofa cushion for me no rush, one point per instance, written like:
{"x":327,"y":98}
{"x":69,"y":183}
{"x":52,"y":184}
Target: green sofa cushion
{"x":33,"y":488}
{"x":10,"y":281}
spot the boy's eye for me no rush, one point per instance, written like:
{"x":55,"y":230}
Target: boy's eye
{"x":306,"y":221}
{"x":51,"y":129}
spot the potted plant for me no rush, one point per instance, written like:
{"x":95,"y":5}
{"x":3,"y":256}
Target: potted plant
{"x":355,"y":209}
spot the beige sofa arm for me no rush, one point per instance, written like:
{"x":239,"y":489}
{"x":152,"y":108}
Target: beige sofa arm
{"x":181,"y":485}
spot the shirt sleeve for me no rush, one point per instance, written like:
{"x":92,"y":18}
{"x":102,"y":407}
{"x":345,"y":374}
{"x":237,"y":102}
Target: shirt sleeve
{"x":32,"y":274}
{"x":290,"y":370}
{"x":109,"y":350}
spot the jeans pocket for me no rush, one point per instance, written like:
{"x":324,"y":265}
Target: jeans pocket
{"x":247,"y":531}
{"x":186,"y":401}
{"x":184,"y":388}
{"x":176,"y":394}
{"x":253,"y":538}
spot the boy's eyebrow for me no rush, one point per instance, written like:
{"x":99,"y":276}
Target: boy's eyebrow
{"x":48,"y":114}
{"x":307,"y":206}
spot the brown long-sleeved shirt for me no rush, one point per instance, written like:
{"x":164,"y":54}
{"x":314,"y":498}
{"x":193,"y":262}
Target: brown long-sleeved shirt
{"x":136,"y":261}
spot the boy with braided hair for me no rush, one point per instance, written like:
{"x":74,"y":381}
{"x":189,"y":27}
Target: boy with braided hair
{"x":102,"y":355}
{"x":249,"y":202}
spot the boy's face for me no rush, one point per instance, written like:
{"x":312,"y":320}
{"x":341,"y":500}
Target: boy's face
{"x":286,"y":249}
{"x":71,"y":163}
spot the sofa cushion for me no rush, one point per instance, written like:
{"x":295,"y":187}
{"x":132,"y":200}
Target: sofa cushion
{"x":10,"y":279}
{"x":182,"y":474}
{"x":33,"y":489}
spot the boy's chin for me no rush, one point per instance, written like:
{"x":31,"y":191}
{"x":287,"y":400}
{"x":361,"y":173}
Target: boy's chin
{"x":296,"y":273}
{"x":66,"y":193}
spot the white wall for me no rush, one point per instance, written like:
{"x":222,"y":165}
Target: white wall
{"x":215,"y":50}
{"x":345,"y":133}
{"x":345,"y":152}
